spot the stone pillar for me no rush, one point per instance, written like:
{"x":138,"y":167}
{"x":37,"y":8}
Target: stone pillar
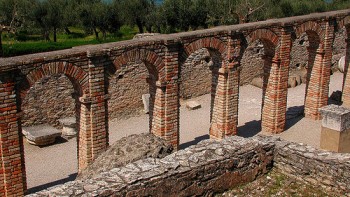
{"x":346,"y":80}
{"x":12,"y":170}
{"x":335,"y":131}
{"x":93,"y":137}
{"x":318,"y":86}
{"x":276,"y":87}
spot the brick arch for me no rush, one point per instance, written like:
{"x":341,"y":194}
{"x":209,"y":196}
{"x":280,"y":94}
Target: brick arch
{"x":311,"y":28}
{"x":76,"y":75}
{"x":210,"y":43}
{"x":153,"y":62}
{"x":269,"y":38}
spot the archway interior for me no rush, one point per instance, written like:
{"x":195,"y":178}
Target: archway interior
{"x":303,"y":57}
{"x":44,"y":103}
{"x":256,"y":67}
{"x":126,"y":87}
{"x":337,"y":72}
{"x":198,"y":82}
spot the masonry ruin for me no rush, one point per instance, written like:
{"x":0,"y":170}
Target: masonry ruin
{"x":93,"y":71}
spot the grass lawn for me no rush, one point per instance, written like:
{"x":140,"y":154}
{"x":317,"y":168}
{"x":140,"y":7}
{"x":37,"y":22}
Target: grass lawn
{"x":27,"y":44}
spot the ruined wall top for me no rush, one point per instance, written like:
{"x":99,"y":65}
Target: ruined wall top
{"x":341,"y":17}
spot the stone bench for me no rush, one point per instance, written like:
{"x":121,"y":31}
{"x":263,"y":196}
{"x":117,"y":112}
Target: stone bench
{"x":41,"y":135}
{"x":69,"y":129}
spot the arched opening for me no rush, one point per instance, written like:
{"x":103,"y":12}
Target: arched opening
{"x":133,"y":91}
{"x":338,"y":66}
{"x":45,"y":98}
{"x":346,"y":85}
{"x":303,"y":56}
{"x":256,"y":66}
{"x":199,"y":73}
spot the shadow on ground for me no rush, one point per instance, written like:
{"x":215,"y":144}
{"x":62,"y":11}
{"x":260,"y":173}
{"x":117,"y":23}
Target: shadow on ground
{"x":293,"y":116}
{"x":70,"y":177}
{"x":193,"y":142}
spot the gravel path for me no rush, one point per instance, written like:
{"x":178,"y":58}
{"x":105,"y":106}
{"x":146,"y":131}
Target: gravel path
{"x":56,"y":164}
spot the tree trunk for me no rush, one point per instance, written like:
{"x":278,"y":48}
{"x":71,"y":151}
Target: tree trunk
{"x":55,"y":34}
{"x":96,"y":33}
{"x":1,"y":51}
{"x":104,"y":35}
{"x":46,"y":35}
{"x":140,"y":26}
{"x":66,"y":29}
{"x":149,"y":28}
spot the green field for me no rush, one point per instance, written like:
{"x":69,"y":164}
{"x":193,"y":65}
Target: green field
{"x":26,"y":44}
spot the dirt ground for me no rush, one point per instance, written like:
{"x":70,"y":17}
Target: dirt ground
{"x":57,"y":164}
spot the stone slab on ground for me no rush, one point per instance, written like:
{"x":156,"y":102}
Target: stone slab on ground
{"x":193,"y":105}
{"x":41,"y":135}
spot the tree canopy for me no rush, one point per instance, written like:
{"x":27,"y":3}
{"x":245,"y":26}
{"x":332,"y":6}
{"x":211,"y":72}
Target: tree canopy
{"x":100,"y":17}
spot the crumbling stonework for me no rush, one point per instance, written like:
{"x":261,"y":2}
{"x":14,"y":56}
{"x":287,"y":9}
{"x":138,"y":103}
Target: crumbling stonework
{"x":215,"y":166}
{"x":127,"y":150}
{"x":316,"y":167}
{"x":200,"y":170}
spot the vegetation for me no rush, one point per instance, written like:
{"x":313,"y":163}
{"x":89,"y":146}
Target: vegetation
{"x":28,"y":26}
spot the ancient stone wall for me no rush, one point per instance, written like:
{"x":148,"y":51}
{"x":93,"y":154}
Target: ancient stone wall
{"x":200,"y":170}
{"x":316,"y":167}
{"x":212,"y":166}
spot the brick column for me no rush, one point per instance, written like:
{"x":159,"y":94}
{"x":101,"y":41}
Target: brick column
{"x":93,"y":137}
{"x":276,"y":72}
{"x":168,"y":93}
{"x":157,"y":126}
{"x":12,"y":176}
{"x":232,"y":99}
{"x":224,"y":118}
{"x":346,"y":80}
{"x":318,"y":86}
{"x":225,"y":110}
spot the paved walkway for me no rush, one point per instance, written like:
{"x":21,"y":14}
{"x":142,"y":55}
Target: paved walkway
{"x":58,"y":163}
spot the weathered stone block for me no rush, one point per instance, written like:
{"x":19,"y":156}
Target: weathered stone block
{"x":335,"y":117}
{"x":335,"y":132}
{"x":41,"y":135}
{"x":69,"y":129}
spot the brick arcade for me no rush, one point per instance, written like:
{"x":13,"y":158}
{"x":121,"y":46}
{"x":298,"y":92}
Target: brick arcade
{"x":90,"y":68}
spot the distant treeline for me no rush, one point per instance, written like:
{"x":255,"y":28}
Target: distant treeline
{"x":99,"y":17}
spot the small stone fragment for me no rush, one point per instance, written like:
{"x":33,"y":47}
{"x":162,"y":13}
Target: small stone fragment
{"x":193,"y":105}
{"x":145,"y":100}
